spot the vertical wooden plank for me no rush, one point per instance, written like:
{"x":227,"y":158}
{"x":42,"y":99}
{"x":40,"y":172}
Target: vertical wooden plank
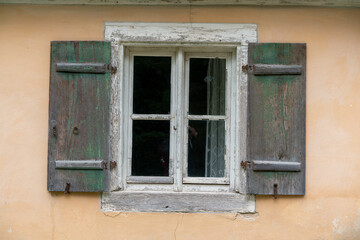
{"x":276,"y":130}
{"x":79,"y":110}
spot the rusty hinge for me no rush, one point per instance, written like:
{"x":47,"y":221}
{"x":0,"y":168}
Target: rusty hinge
{"x":111,"y":69}
{"x":243,"y":164}
{"x":247,"y":68}
{"x":113,"y":165}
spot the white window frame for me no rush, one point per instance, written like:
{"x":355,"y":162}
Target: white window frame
{"x":208,"y":53}
{"x":186,"y":194}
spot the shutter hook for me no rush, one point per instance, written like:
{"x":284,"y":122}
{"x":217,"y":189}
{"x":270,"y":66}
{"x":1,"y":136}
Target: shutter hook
{"x":275,"y":191}
{"x":67,"y":188}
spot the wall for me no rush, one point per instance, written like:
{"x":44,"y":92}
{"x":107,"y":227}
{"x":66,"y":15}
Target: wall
{"x":331,"y":206}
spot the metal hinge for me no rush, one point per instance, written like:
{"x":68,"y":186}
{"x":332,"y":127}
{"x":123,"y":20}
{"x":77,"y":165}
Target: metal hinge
{"x":113,"y":165}
{"x":243,"y":164}
{"x":111,"y":69}
{"x":247,"y":68}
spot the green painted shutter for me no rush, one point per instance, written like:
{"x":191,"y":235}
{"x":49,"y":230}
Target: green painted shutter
{"x":78,"y":151}
{"x":276,"y":120}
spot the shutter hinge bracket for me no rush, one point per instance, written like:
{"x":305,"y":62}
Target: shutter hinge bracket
{"x":243,"y":164}
{"x":113,"y":165}
{"x":111,"y":69}
{"x":247,"y":68}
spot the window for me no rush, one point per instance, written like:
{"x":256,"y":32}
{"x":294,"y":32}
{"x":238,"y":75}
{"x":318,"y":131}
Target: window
{"x":194,"y":117}
{"x":179,"y":102}
{"x":177,"y":119}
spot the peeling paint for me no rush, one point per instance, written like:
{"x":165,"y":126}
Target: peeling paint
{"x":346,"y":230}
{"x":111,"y":214}
{"x":247,"y":216}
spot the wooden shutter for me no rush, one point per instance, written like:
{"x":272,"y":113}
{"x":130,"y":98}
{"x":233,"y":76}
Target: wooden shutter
{"x":276,"y":120}
{"x":79,"y":116}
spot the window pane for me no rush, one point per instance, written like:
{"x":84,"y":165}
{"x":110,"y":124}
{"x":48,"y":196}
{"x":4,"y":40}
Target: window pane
{"x":152,"y":77}
{"x":150,"y":149}
{"x":207,"y":86}
{"x":206,"y":148}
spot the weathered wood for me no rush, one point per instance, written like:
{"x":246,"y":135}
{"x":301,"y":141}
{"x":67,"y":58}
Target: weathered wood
{"x":150,"y":116}
{"x":145,"y":179}
{"x":80,"y":164}
{"x":117,"y":51}
{"x":275,"y":69}
{"x":210,"y":33}
{"x":79,"y":110}
{"x":313,"y":3}
{"x":190,"y":38}
{"x":207,"y":117}
{"x":82,"y":67}
{"x":177,"y":202}
{"x":201,"y":180}
{"x":276,"y":125}
{"x":275,"y":166}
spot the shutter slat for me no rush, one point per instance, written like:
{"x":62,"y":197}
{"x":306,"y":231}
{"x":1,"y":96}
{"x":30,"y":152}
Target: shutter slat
{"x":276,"y":119}
{"x":81,"y":164}
{"x":275,"y":166}
{"x":275,"y":69}
{"x":81,"y":67}
{"x":79,"y":116}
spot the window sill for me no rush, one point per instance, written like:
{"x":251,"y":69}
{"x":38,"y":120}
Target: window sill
{"x":127,"y":201}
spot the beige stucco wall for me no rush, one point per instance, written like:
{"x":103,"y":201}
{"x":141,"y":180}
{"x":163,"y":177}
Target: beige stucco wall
{"x":331,"y":206}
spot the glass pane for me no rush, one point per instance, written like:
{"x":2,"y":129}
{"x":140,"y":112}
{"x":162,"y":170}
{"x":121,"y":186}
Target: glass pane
{"x":206,"y":148}
{"x":152,"y":76}
{"x":207,"y":86}
{"x":150,"y":149}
